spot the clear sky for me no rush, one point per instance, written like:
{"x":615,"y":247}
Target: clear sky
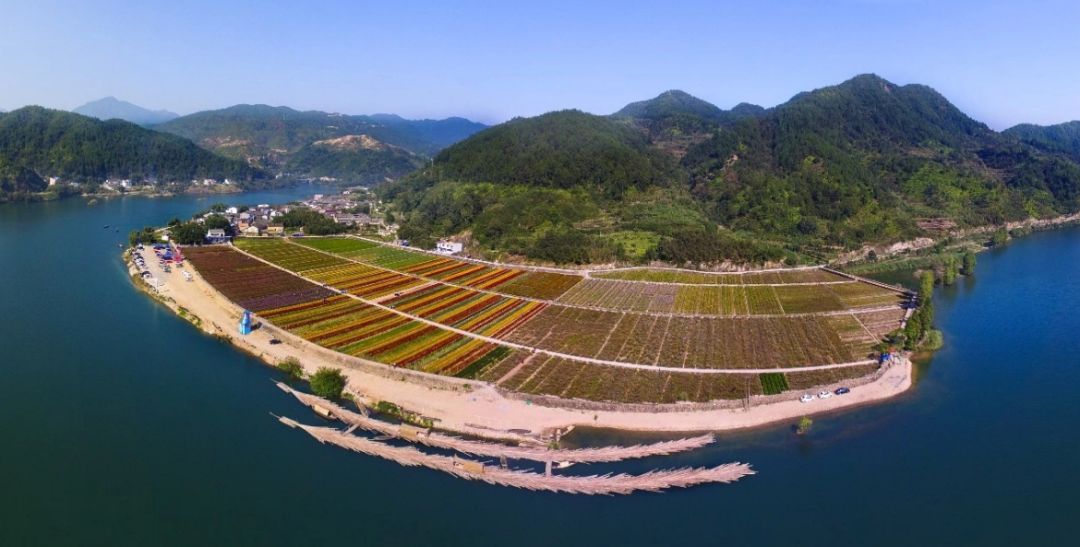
{"x":1001,"y":62}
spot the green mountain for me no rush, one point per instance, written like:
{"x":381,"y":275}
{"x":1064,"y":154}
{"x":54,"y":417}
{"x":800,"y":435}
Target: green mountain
{"x":358,"y":158}
{"x":865,"y":161}
{"x":1063,"y":138}
{"x":18,"y":182}
{"x":675,"y":121}
{"x":270,"y":137}
{"x":79,"y":148}
{"x":560,"y":149}
{"x":112,"y":108}
{"x":834,"y":168}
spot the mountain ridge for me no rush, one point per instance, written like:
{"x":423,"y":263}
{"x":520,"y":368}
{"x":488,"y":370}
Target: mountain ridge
{"x":81,"y":148}
{"x":110,"y":107}
{"x":270,"y":136}
{"x":832,"y":168}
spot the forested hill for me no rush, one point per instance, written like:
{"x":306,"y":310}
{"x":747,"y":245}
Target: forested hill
{"x":80,"y":148}
{"x":282,"y":139}
{"x":18,"y":183}
{"x":862,"y":161}
{"x":1062,"y":138}
{"x":564,"y":149}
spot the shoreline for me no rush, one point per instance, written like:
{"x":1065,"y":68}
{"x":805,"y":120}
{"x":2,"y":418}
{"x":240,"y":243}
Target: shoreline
{"x":476,"y":408}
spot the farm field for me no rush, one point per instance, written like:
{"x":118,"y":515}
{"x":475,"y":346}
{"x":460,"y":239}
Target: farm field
{"x":446,"y":316}
{"x":686,"y":342}
{"x":546,"y":375}
{"x":250,"y":283}
{"x":709,"y":278}
{"x":510,"y":281}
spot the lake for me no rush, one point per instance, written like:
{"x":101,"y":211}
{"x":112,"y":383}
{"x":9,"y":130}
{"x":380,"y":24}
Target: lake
{"x":124,"y":425}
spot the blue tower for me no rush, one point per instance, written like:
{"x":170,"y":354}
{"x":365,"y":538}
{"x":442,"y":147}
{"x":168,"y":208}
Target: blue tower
{"x":245,"y":323}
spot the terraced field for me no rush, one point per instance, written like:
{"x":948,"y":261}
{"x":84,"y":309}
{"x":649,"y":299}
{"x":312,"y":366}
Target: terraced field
{"x":708,"y":278}
{"x":561,"y":334}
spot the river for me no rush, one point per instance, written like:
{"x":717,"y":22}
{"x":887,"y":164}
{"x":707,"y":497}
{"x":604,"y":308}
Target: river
{"x":123,"y":425}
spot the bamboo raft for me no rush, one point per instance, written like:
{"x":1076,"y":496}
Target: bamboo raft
{"x":609,"y":484}
{"x":435,"y":439}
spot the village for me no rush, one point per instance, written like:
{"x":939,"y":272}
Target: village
{"x":355,"y":209}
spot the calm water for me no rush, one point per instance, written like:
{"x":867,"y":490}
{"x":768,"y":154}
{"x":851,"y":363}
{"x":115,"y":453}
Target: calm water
{"x":122,"y":425}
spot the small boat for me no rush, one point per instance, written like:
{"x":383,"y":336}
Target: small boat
{"x":106,"y":227}
{"x":563,"y":465}
{"x":323,"y":411}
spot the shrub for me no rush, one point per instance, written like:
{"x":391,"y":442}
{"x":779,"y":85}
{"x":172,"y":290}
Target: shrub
{"x":292,"y":368}
{"x":804,"y":425}
{"x":327,"y":383}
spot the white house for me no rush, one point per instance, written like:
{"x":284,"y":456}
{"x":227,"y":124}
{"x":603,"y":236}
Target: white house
{"x":232,"y":210}
{"x":216,"y":235}
{"x":448,"y":247}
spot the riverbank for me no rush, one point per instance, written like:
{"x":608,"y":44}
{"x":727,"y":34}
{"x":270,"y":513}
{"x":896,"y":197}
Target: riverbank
{"x":478,"y":408}
{"x":928,"y":252}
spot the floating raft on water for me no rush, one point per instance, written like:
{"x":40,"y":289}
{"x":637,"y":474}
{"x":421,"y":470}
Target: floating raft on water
{"x":609,"y":484}
{"x":435,"y":439}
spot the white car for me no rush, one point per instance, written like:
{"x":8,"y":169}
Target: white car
{"x":824,"y":395}
{"x":806,"y":398}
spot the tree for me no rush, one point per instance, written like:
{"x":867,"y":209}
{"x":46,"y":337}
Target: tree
{"x":292,"y":368}
{"x":926,"y":286}
{"x":327,"y":383}
{"x":216,"y":221}
{"x":188,"y":233}
{"x":950,"y":272}
{"x":804,"y":425}
{"x":146,"y":235}
{"x":999,"y":238}
{"x":969,"y":263}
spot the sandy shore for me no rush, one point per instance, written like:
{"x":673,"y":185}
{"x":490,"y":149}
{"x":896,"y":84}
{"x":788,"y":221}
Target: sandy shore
{"x":484,"y":410}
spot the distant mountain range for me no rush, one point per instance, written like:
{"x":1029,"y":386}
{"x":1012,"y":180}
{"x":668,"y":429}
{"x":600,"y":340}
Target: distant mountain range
{"x":112,"y":108}
{"x":301,"y":143}
{"x":251,"y":144}
{"x":36,"y":142}
{"x":677,"y":178}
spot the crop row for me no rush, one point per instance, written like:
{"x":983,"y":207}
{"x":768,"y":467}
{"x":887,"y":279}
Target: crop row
{"x":722,"y":300}
{"x":542,"y":285}
{"x":337,"y":245}
{"x":467,"y":309}
{"x":813,"y":378}
{"x":510,"y":281}
{"x":690,"y":342}
{"x":364,"y":281}
{"x":250,"y":283}
{"x":707,"y":278}
{"x":547,"y":375}
{"x":865,"y":295}
{"x":622,"y":295}
{"x":349,"y":326}
{"x":290,"y":257}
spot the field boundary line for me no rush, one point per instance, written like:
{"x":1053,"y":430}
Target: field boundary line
{"x":593,"y":360}
{"x":595,"y":308}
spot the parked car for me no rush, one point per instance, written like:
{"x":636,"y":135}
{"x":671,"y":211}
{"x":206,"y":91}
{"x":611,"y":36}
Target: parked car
{"x":842,"y":391}
{"x":806,"y":398}
{"x":274,"y":341}
{"x":824,"y":395}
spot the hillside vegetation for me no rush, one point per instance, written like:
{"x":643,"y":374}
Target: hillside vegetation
{"x":283,"y":139}
{"x":1063,"y":138}
{"x":677,"y":179}
{"x":79,"y":148}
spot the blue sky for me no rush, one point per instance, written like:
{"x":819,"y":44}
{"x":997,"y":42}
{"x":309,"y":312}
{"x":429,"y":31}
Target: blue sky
{"x":1001,"y":62}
